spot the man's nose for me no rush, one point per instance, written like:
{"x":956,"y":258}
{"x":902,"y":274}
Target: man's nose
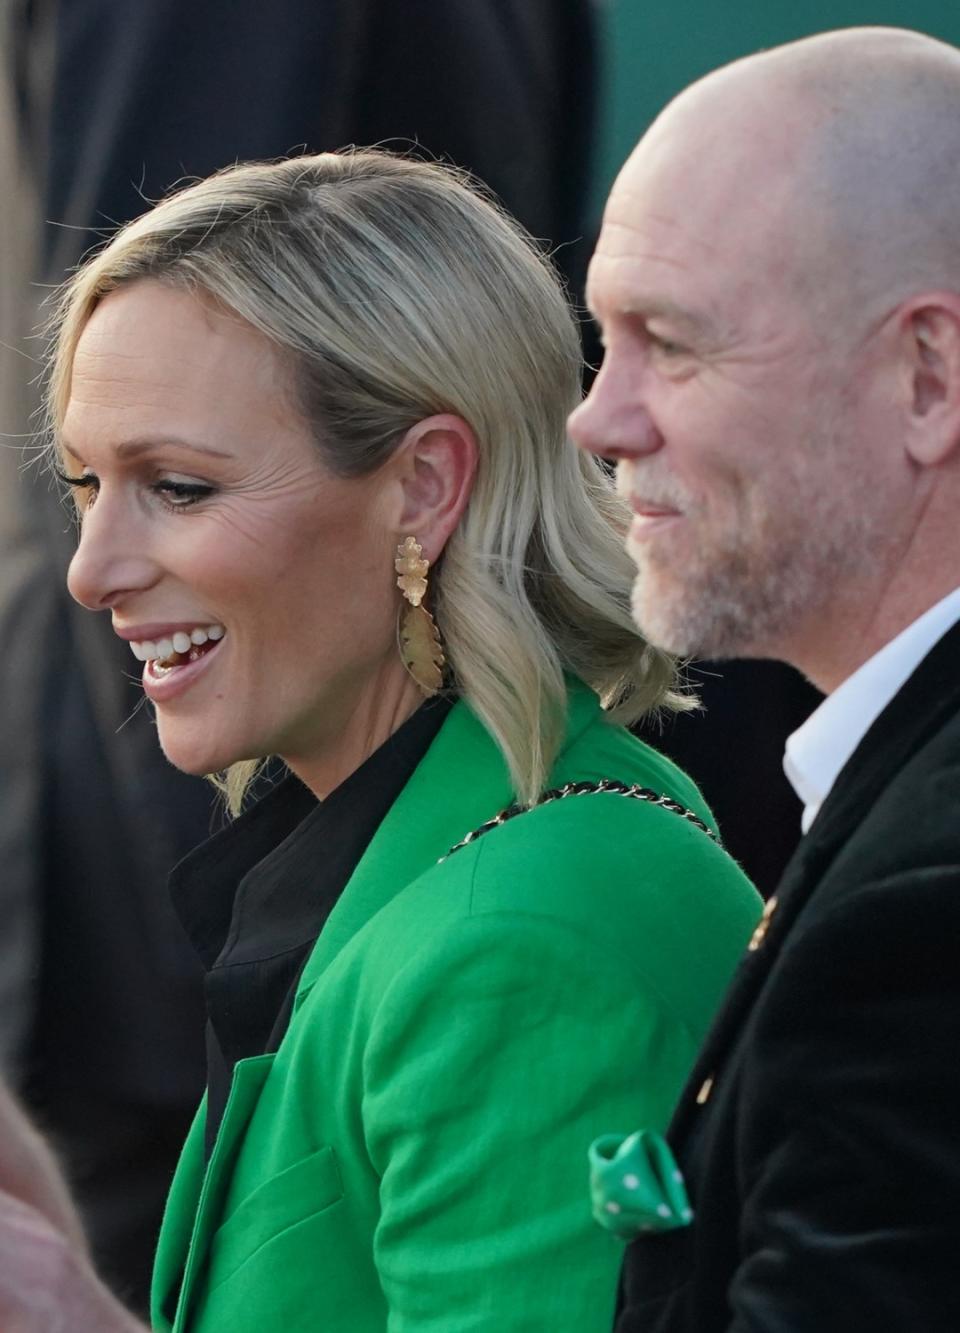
{"x":111,"y":560}
{"x":614,"y":421}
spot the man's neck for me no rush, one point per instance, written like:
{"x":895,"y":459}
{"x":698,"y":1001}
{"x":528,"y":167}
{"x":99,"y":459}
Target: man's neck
{"x":840,"y":639}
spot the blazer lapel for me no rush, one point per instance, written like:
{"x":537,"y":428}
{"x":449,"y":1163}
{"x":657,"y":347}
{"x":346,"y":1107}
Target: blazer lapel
{"x":178,"y":1219}
{"x":196,"y":1198}
{"x":916,"y":713}
{"x":434,"y":810}
{"x":921,"y":707}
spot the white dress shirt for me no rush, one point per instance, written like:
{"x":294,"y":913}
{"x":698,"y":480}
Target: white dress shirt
{"x":818,"y":750}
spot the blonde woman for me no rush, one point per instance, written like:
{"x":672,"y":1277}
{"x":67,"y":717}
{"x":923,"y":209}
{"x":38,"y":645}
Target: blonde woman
{"x":313,"y":417}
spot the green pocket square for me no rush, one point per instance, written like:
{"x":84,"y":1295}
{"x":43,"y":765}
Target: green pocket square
{"x":636,"y":1185}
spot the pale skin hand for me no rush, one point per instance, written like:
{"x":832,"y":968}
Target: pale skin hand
{"x":29,"y":1171}
{"x":47,"y":1284}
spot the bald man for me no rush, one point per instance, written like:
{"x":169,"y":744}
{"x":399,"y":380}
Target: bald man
{"x":778,"y":285}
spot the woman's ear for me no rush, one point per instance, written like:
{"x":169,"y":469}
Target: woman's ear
{"x":436,"y":465}
{"x":930,"y":351}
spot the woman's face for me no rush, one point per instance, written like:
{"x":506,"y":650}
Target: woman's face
{"x":216,"y":537}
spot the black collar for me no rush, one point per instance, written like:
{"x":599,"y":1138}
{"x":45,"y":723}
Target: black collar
{"x":254,"y":898}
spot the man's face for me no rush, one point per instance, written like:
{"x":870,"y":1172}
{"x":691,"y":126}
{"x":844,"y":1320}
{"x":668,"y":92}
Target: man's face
{"x":729,"y":407}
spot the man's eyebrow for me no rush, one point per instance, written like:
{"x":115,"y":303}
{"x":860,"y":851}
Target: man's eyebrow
{"x":656,"y":308}
{"x":151,"y":443}
{"x":638,"y":310}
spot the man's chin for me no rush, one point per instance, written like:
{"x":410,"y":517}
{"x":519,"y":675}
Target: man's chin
{"x":659,"y":622}
{"x":684,"y":628}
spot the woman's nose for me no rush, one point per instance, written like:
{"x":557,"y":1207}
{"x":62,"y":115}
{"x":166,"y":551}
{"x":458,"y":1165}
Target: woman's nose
{"x":111,"y":560}
{"x":614,"y":421}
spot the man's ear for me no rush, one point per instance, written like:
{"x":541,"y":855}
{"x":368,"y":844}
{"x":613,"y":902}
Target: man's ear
{"x":930,"y":356}
{"x":436,"y":464}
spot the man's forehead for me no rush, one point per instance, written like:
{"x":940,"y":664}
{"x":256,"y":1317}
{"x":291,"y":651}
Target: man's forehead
{"x":689,"y":225}
{"x":646,"y":261}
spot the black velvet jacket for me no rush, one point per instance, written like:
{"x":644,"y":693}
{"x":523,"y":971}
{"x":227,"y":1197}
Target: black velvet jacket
{"x":819,"y":1133}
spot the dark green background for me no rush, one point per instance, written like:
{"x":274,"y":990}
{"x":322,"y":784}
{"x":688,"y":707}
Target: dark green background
{"x":653,"y":50}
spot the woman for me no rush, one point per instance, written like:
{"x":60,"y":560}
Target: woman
{"x":295,"y":402}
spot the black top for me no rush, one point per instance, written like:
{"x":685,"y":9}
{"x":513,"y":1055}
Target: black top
{"x":254,"y":898}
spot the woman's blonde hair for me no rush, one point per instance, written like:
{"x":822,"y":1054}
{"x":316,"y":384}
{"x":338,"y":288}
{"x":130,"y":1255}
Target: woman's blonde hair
{"x":396,"y":291}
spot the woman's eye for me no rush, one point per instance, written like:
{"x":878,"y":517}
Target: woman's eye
{"x":87,"y":482}
{"x":175,"y":494}
{"x":182,"y":494}
{"x":84,"y":480}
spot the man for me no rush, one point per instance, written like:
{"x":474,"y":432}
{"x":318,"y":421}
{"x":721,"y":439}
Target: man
{"x":778,"y":285}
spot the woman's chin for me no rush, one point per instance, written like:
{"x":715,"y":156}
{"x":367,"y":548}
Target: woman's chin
{"x":199,"y":760}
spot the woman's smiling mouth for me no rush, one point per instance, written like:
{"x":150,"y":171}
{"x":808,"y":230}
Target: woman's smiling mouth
{"x":181,"y":644}
{"x":163,"y":681}
{"x":173,"y":658}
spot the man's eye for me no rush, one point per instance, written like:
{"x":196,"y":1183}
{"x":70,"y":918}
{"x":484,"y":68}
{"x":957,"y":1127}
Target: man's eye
{"x":182,"y":494}
{"x":665,"y":345}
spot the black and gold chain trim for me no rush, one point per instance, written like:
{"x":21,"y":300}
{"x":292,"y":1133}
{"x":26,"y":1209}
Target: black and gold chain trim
{"x":634,"y":791}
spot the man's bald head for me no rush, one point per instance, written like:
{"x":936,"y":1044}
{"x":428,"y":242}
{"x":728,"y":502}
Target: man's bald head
{"x":778,"y":281}
{"x":851,"y":140}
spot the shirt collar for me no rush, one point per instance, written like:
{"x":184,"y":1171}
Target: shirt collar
{"x":265,"y":870}
{"x":817,"y":751}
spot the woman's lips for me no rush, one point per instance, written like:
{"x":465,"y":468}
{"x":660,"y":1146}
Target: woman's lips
{"x":162,"y":684}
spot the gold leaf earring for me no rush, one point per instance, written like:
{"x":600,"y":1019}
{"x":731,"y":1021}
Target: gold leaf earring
{"x":420,"y":647}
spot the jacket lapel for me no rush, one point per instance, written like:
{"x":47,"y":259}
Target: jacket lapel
{"x":916,"y":713}
{"x":922,"y":706}
{"x":178,"y":1219}
{"x":195,"y":1204}
{"x":429,"y":816}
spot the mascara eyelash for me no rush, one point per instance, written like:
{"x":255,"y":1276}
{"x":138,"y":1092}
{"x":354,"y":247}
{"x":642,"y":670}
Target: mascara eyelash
{"x":86,"y":480}
{"x":181,"y":495}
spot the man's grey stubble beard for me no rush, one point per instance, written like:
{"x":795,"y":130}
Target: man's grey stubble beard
{"x":769,"y":572}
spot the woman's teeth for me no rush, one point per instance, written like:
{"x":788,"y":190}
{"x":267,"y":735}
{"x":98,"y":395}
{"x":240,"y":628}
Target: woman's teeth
{"x":180,"y":643}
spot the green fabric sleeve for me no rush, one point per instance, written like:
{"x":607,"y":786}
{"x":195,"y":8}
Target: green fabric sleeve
{"x":493,"y":1061}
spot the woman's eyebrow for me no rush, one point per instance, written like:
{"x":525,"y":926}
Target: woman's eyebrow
{"x":150,"y":443}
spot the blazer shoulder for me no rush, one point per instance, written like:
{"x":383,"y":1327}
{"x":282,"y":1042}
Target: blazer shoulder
{"x":639,"y":880}
{"x":596,"y":851}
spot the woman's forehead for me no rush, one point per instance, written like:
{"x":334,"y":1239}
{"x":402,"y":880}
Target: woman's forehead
{"x":159,"y":364}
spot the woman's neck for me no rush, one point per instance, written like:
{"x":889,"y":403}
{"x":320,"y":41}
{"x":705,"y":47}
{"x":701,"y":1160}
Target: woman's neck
{"x":370,"y":716}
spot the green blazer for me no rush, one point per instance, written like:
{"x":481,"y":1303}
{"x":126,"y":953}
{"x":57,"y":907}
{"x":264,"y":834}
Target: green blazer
{"x":413,"y":1157}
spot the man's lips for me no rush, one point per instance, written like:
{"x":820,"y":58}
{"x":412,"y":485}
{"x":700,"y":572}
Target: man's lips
{"x":651,"y":509}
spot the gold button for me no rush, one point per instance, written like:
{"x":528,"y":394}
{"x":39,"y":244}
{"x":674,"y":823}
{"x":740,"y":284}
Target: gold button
{"x":763,"y":925}
{"x":705,"y":1090}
